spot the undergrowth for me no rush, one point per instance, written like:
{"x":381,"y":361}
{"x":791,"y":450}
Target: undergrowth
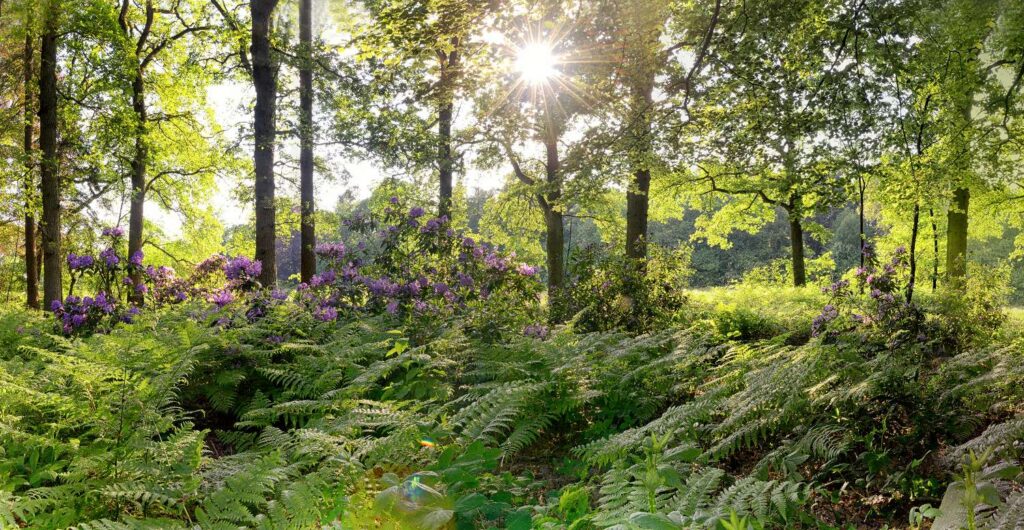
{"x":735,"y":418}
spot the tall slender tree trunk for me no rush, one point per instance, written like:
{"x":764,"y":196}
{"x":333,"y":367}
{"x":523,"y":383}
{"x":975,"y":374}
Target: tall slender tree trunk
{"x":264,"y":77}
{"x":136,"y":213}
{"x":446,"y":163}
{"x":860,"y":214}
{"x":915,"y":228}
{"x":555,"y":227}
{"x":796,"y":248}
{"x":307,"y":236}
{"x":49,"y":179}
{"x":637,"y":196}
{"x":935,"y":250}
{"x":956,"y":237}
{"x":31,"y":272}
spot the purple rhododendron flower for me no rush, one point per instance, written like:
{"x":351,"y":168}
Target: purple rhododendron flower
{"x":278,"y":294}
{"x":80,"y":262}
{"x":526,"y":270}
{"x":392,"y":307}
{"x":331,"y":250}
{"x":242,"y":268}
{"x":136,"y":258}
{"x":110,"y":257}
{"x":432,"y":225}
{"x":114,"y":231}
{"x":415,"y":212}
{"x":326,"y":277}
{"x":222,"y":298}
{"x":536,"y":331}
{"x":326,"y":314}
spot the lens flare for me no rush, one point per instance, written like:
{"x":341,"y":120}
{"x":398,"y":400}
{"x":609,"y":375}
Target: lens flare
{"x":536,"y":62}
{"x":427,"y":441}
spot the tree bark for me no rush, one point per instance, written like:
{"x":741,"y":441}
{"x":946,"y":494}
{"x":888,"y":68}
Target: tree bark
{"x":637,"y":206}
{"x":446,"y":163}
{"x":307,"y":236}
{"x":555,"y":228}
{"x":264,"y":77}
{"x":915,"y":228}
{"x":49,"y":179}
{"x":796,"y":245}
{"x":935,"y":250}
{"x":956,"y":237}
{"x":860,"y":214}
{"x":31,"y":272}
{"x":637,"y":199}
{"x":138,"y":178}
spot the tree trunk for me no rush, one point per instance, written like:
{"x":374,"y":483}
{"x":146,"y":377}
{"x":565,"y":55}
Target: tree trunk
{"x":935,"y":250}
{"x":956,"y":238}
{"x":915,"y":228}
{"x":31,"y":272}
{"x":264,"y":78}
{"x":307,"y":255}
{"x":138,"y":179}
{"x":637,"y":198}
{"x":49,"y":179}
{"x":449,"y":64}
{"x":555,"y":229}
{"x":860,"y":213}
{"x":796,"y":246}
{"x":637,"y":205}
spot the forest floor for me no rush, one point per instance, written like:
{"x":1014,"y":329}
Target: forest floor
{"x":733,"y":417}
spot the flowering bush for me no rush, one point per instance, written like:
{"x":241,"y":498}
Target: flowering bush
{"x":421,"y":271}
{"x":882,"y":313}
{"x":220,"y":280}
{"x":110,"y":277}
{"x":610,"y":291}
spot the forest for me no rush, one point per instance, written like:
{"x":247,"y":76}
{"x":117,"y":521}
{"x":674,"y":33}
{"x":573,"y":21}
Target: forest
{"x":511,"y":264}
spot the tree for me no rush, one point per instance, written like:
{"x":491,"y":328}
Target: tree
{"x":525,"y":115}
{"x":264,"y":78}
{"x":149,"y":35}
{"x":31,"y":271}
{"x":646,"y":65}
{"x":764,"y":120}
{"x":49,"y":177}
{"x":416,"y":61}
{"x":307,"y":265}
{"x":643,"y":58}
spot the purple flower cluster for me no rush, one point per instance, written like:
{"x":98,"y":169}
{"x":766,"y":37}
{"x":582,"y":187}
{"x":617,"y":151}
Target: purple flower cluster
{"x":884,"y":313}
{"x":110,"y":258}
{"x":333,"y":251}
{"x":113,"y":232}
{"x":222,"y":298}
{"x":80,"y":314}
{"x":77,"y":263}
{"x":536,"y":331}
{"x":243,"y":269}
{"x":410,"y":269}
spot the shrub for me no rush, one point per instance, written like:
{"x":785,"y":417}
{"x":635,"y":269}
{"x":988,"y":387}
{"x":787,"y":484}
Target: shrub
{"x":420,"y":272}
{"x":607,"y":290}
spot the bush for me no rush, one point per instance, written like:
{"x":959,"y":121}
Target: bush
{"x":420,"y":273}
{"x":607,"y":290}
